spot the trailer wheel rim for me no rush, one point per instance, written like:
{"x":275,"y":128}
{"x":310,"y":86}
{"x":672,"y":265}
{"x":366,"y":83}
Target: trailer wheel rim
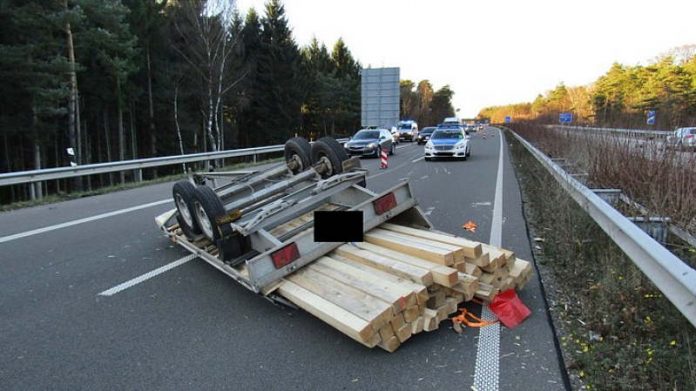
{"x":295,"y":158}
{"x":204,"y":221}
{"x":327,"y":163}
{"x":184,"y":210}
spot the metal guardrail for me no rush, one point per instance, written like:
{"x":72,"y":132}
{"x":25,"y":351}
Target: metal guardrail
{"x":19,"y":177}
{"x":675,"y":279}
{"x":628,"y":132}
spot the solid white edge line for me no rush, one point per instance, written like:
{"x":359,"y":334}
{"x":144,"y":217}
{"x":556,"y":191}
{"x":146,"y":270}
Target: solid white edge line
{"x":80,"y":221}
{"x":496,"y":238}
{"x":152,"y":273}
{"x":486,"y":371}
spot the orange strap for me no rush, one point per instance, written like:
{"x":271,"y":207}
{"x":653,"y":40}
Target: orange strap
{"x":468,"y":319}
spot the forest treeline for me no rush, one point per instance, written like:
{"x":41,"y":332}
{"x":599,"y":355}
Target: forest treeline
{"x":123,"y":79}
{"x":419,"y":102}
{"x":621,"y":97}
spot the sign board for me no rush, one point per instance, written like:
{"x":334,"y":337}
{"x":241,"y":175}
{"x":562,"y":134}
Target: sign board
{"x":508,"y":119}
{"x":380,"y":95}
{"x":651,"y":117}
{"x":565,"y":118}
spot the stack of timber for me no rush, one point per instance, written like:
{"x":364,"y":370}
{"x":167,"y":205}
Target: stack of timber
{"x":400,"y":282}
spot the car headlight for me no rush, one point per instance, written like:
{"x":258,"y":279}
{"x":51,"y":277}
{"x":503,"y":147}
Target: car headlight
{"x":428,"y":145}
{"x":460,"y":146}
{"x":372,"y":145}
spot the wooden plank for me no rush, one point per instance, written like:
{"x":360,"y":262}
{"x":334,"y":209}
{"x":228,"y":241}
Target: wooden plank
{"x":488,"y":278}
{"x":367,"y":307}
{"x":471,"y":248}
{"x":404,"y":332}
{"x":467,"y":290}
{"x":443,"y":313}
{"x":397,"y":322}
{"x":452,"y":305}
{"x":391,"y":344}
{"x":486,"y":292}
{"x":411,"y":313}
{"x":342,"y":320}
{"x":458,"y":252}
{"x":399,"y":295}
{"x":442,"y":275}
{"x":386,"y":332}
{"x":419,"y":290}
{"x":436,"y":300}
{"x":497,"y":258}
{"x":416,"y":274}
{"x":469,"y":268}
{"x":417,"y":325}
{"x":482,"y":260}
{"x":425,"y":251}
{"x":430,"y":322}
{"x":520,"y":268}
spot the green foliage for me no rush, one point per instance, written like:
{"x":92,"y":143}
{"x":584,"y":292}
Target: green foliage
{"x":620,"y":97}
{"x":425,"y":106}
{"x":239,"y":81}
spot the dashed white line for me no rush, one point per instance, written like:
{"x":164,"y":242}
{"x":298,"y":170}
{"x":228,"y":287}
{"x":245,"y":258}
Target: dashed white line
{"x":416,"y":160}
{"x":486,"y":372}
{"x":80,"y":221}
{"x":146,"y":276}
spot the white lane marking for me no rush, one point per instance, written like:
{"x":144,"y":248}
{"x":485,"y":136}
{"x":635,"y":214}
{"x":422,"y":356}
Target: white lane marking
{"x":486,"y":372}
{"x":496,"y":238}
{"x":146,"y":276}
{"x":416,"y":160}
{"x":80,"y":221}
{"x":487,"y":203}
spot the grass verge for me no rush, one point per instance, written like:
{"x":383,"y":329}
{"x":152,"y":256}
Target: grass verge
{"x":617,"y":331}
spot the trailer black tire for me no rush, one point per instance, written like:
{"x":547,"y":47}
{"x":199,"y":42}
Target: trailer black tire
{"x":208,"y":208}
{"x":182,"y":192}
{"x":330,"y":151}
{"x":300,"y":149}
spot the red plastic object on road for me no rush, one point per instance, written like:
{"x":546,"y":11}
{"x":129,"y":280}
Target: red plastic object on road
{"x":509,"y":309}
{"x":383,"y":159}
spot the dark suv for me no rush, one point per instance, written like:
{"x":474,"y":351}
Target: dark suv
{"x":424,"y":135}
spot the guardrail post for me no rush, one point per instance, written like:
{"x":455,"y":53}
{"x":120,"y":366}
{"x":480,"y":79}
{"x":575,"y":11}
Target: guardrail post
{"x":254,"y":158}
{"x":610,"y":196}
{"x":139,"y":175}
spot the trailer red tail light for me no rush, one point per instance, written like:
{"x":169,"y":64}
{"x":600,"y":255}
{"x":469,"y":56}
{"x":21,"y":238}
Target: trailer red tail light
{"x":384,"y":203}
{"x":285,"y":255}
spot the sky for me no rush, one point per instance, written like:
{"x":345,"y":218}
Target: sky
{"x":494,"y":52}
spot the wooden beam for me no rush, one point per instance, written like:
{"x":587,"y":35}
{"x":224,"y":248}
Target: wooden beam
{"x":391,"y":344}
{"x":469,"y":268}
{"x":344,"y":321}
{"x":366,"y":307}
{"x":471,"y":249}
{"x":419,"y":290}
{"x":442,"y":275}
{"x":411,"y":247}
{"x":401,"y":269}
{"x":400,"y":296}
{"x":458,"y":252}
{"x":430,"y":322}
{"x":480,"y":261}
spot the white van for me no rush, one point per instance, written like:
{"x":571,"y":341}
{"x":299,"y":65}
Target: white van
{"x":407,"y":130}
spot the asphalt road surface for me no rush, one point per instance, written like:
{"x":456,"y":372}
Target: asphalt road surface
{"x":192,"y":327}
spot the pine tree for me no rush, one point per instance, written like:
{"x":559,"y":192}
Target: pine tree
{"x":280,"y":90}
